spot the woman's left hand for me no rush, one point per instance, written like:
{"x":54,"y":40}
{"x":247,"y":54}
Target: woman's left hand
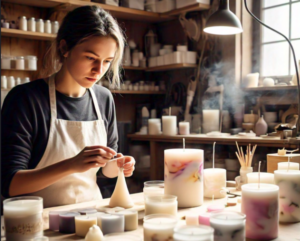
{"x":126,"y":162}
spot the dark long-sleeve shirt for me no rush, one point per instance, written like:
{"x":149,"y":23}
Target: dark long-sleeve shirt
{"x":25,"y":123}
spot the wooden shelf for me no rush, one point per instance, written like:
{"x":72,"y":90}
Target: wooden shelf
{"x":38,"y":3}
{"x":19,"y":70}
{"x":271,"y":88}
{"x":27,"y":34}
{"x":134,"y":68}
{"x":194,"y":7}
{"x":170,"y":66}
{"x":140,"y":92}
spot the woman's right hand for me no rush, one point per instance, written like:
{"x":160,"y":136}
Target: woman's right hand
{"x":91,"y":157}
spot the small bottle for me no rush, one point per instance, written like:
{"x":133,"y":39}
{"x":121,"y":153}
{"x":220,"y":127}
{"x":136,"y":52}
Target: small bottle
{"x":31,"y":62}
{"x":48,"y":26}
{"x":18,"y":81}
{"x":31,"y":25}
{"x":261,"y":126}
{"x":20,"y":63}
{"x":26,"y":80}
{"x":11,"y":82}
{"x":40,"y":25}
{"x":23,"y":23}
{"x":55,"y":27}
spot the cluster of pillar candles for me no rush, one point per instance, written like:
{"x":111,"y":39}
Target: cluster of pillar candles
{"x":266,"y":200}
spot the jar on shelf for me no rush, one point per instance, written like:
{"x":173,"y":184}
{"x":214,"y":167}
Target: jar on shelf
{"x":11,"y":82}
{"x":18,"y":81}
{"x":54,"y":27}
{"x":23,"y":23}
{"x":31,"y":25}
{"x":40,"y":26}
{"x":3,"y":82}
{"x":13,"y":62}
{"x":6,"y":62}
{"x":20,"y":62}
{"x":48,"y":26}
{"x":31,"y":62}
{"x":5,"y":24}
{"x":26,"y":80}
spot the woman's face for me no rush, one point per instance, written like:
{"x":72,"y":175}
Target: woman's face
{"x":88,"y":61}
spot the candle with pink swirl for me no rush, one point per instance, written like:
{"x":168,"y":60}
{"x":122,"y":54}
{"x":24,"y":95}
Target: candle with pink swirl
{"x":184,"y":176}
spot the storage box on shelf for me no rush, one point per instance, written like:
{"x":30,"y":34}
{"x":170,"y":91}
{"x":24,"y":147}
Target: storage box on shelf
{"x":185,"y":3}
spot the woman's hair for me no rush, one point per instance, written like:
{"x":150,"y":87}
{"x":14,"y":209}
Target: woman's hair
{"x":77,"y":26}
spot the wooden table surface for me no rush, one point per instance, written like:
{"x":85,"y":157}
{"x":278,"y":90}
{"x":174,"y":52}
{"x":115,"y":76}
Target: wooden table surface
{"x":290,"y":232}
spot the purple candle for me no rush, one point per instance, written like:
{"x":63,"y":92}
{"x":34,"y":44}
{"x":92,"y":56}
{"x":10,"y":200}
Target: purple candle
{"x":67,"y":222}
{"x":54,"y":220}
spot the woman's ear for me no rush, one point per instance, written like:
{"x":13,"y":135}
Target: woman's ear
{"x":63,"y":48}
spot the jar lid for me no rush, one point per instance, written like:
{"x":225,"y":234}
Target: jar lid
{"x":32,"y":57}
{"x":19,"y":57}
{"x":23,"y":17}
{"x":56,"y":22}
{"x":48,"y":21}
{"x":32,"y":18}
{"x":40,"y":20}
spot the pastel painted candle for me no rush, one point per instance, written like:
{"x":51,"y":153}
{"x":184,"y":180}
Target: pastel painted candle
{"x":284,"y":166}
{"x":94,"y":234}
{"x":112,"y":223}
{"x":153,"y":188}
{"x":214,"y":182}
{"x":131,"y":219}
{"x":260,"y":205}
{"x":192,"y":218}
{"x":184,"y":176}
{"x":228,"y":225}
{"x":211,"y":120}
{"x":204,"y":218}
{"x":154,"y":126}
{"x":83,"y":224}
{"x":67,"y":222}
{"x":54,"y":220}
{"x":161,"y":204}
{"x":184,"y":128}
{"x":169,"y":125}
{"x":193,"y":233}
{"x":289,"y":195}
{"x":264,"y":177}
{"x":98,"y":216}
{"x":23,"y":218}
{"x":159,"y":227}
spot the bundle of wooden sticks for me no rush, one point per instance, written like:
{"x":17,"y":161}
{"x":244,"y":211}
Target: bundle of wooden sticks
{"x":245,"y":160}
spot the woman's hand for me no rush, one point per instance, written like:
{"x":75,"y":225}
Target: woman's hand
{"x":126,"y":162}
{"x":91,"y":157}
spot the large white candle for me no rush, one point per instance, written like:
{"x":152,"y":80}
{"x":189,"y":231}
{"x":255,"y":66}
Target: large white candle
{"x":184,"y":176}
{"x":23,"y":218}
{"x":264,"y":177}
{"x":284,"y":166}
{"x":184,"y":128}
{"x":193,"y":233}
{"x":154,"y":127}
{"x":112,"y":223}
{"x":169,"y":125}
{"x":131,"y":219}
{"x":228,"y":225}
{"x":161,"y":203}
{"x":260,"y":205}
{"x":159,"y":227}
{"x":83,"y":224}
{"x":211,"y":120}
{"x":289,"y":195}
{"x":214,"y":182}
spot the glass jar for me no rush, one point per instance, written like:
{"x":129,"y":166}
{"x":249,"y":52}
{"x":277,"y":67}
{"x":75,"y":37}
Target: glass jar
{"x":161,"y":203}
{"x":31,"y":62}
{"x":243,"y":174}
{"x":54,"y":27}
{"x":153,"y":188}
{"x":6,"y":62}
{"x":20,"y":63}
{"x":31,"y":25}
{"x":40,"y":26}
{"x":48,"y":26}
{"x":193,"y":233}
{"x":23,"y":23}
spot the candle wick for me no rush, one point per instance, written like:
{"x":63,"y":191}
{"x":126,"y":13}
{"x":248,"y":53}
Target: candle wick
{"x":288,"y":164}
{"x":183,"y":140}
{"x":170,"y":110}
{"x":214,"y":154}
{"x":259,"y":174}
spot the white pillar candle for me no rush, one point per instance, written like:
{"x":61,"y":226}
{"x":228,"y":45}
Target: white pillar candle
{"x":131,"y":219}
{"x":98,"y":216}
{"x":284,"y":166}
{"x":193,"y":233}
{"x":251,"y":80}
{"x":153,"y":188}
{"x":94,"y":234}
{"x":161,"y":204}
{"x":260,"y":205}
{"x":211,"y":120}
{"x":159,"y":227}
{"x":264,"y":177}
{"x":214,"y":182}
{"x":184,"y":176}
{"x":169,"y":125}
{"x":228,"y":225}
{"x":112,"y":223}
{"x":192,"y":218}
{"x":23,"y":218}
{"x":289,"y":195}
{"x":184,"y":128}
{"x":83,"y":224}
{"x":154,"y":127}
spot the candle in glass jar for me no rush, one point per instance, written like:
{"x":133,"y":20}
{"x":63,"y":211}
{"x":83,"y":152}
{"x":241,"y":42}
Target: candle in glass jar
{"x":159,"y":227}
{"x":162,"y":203}
{"x":169,"y":125}
{"x":264,"y":177}
{"x":23,"y":218}
{"x":153,"y":188}
{"x":228,"y":225}
{"x":193,"y":233}
{"x":214,"y":182}
{"x":184,"y":128}
{"x":154,"y":126}
{"x":284,"y":166}
{"x":184,"y":176}
{"x":289,"y":195}
{"x":260,"y":205}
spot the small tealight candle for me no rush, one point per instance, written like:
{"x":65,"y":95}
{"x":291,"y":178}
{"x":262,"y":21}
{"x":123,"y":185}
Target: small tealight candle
{"x":184,"y":128}
{"x":67,"y":222}
{"x":112,"y":223}
{"x":160,"y":226}
{"x":228,"y":225}
{"x":281,"y":152}
{"x":204,"y":218}
{"x":192,"y":218}
{"x":161,"y":204}
{"x":264,"y":177}
{"x":193,"y":233}
{"x":98,"y":216}
{"x":153,"y":188}
{"x":83,"y":224}
{"x":154,"y":126}
{"x":284,"y":166}
{"x":214,"y":182}
{"x":131,"y":219}
{"x":169,"y":125}
{"x":54,"y":220}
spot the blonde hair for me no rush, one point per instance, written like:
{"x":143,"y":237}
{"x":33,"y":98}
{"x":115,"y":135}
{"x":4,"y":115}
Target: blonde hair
{"x":79,"y":25}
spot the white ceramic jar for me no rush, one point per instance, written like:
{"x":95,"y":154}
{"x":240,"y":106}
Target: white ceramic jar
{"x":55,"y":27}
{"x":20,"y":63}
{"x":40,"y":25}
{"x":3,"y":82}
{"x":5,"y":62}
{"x":48,"y":26}
{"x":31,"y":25}
{"x":23,"y":23}
{"x":31,"y":62}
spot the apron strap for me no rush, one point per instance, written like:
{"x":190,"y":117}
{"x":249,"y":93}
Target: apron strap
{"x":52,"y":96}
{"x":95,"y":102}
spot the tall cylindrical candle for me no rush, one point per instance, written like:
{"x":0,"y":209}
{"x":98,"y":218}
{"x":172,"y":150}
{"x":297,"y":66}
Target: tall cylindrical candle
{"x":169,"y":125}
{"x":264,"y":177}
{"x":67,"y":222}
{"x":289,"y":195}
{"x":193,"y":233}
{"x":159,"y":227}
{"x":184,"y":176}
{"x":260,"y":205}
{"x":284,"y":166}
{"x":210,"y":120}
{"x":23,"y":218}
{"x":228,"y":225}
{"x":214,"y":182}
{"x":161,"y":203}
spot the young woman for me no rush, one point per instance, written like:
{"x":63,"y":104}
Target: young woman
{"x":58,"y":131}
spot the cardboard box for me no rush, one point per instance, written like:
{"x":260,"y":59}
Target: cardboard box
{"x":273,"y":159}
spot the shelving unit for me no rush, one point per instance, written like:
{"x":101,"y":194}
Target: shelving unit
{"x":139,"y":92}
{"x":271,"y":88}
{"x":170,"y":67}
{"x":18,"y":70}
{"x":17,"y":33}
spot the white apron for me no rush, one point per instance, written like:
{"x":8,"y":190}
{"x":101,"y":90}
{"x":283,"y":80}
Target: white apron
{"x":66,"y":140}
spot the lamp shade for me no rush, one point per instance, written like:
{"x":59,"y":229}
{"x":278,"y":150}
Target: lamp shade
{"x":223,"y":21}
